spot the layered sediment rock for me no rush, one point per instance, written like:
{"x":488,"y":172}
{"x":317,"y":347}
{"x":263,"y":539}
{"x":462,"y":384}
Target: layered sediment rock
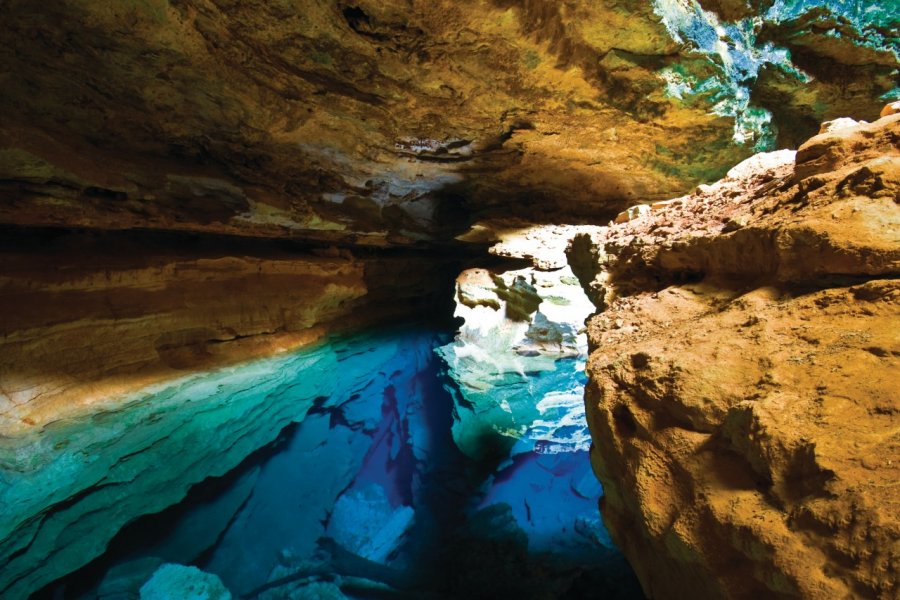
{"x":744,"y":376}
{"x":88,"y":318}
{"x":396,"y":124}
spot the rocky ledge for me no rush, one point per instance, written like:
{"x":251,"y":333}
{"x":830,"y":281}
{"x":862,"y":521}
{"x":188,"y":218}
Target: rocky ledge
{"x":743,"y":393}
{"x":90,"y":317}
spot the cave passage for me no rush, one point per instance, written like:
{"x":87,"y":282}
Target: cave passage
{"x":362,"y":494}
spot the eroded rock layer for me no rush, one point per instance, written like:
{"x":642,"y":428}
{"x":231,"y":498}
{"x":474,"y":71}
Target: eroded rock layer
{"x":88,"y":318}
{"x":743,"y":394}
{"x":151,"y":151}
{"x":69,"y":487}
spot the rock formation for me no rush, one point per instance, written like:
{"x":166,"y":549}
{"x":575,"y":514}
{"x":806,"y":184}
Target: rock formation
{"x":89,"y":318}
{"x":178,"y":581}
{"x":71,"y":485}
{"x":743,"y":375}
{"x":203,"y":198}
{"x":389,"y":122}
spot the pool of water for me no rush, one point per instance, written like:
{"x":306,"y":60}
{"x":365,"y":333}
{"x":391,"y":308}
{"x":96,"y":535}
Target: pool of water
{"x":362,"y":492}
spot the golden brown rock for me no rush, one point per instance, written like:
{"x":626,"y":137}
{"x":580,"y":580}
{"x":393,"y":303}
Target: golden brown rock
{"x":87,"y":319}
{"x":743,"y":395}
{"x":374,"y":122}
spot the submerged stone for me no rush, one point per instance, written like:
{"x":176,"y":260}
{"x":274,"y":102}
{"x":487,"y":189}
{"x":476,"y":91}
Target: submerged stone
{"x":69,"y":489}
{"x":185,"y":583}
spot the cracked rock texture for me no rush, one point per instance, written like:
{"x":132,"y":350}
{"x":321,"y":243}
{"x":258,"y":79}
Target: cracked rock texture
{"x":743,"y":393}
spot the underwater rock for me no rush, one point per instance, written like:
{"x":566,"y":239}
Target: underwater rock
{"x":124,"y":581}
{"x":202,"y":528}
{"x":186,"y":583}
{"x":316,"y":591}
{"x":365,"y":523}
{"x":71,"y":488}
{"x":742,"y":393}
{"x":283,"y":512}
{"x":333,"y":497}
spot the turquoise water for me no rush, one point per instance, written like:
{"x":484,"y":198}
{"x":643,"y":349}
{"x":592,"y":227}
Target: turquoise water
{"x":326,"y":473}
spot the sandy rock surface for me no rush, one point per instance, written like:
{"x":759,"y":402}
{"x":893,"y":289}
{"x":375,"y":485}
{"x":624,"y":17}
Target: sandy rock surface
{"x":743,"y":394}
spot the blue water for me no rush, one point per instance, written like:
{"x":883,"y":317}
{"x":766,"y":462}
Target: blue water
{"x":368,"y":496}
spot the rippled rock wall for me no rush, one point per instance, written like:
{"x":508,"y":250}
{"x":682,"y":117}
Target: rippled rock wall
{"x":70,"y":487}
{"x":90,"y":317}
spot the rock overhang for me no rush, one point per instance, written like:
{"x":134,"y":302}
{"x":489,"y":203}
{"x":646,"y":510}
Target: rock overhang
{"x":383,"y":123}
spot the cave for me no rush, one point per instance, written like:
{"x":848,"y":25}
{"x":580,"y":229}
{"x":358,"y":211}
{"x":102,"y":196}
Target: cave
{"x":413,"y":299}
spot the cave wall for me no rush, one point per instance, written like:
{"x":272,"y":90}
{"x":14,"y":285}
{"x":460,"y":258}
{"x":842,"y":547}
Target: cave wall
{"x":743,"y":375}
{"x":90,"y":317}
{"x":70,"y":486}
{"x":131,"y":130}
{"x":387,"y":124}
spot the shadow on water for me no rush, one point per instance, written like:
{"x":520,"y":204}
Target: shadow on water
{"x":372,"y":497}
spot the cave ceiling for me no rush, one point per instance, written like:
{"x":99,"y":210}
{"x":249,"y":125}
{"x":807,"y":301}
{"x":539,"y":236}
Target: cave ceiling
{"x":399,"y":122}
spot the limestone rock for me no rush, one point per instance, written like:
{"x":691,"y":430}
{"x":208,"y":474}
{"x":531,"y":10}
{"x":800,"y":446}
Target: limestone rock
{"x":124,"y":581}
{"x":188,"y":583}
{"x":518,"y":324}
{"x":835,"y":70}
{"x":842,"y":123}
{"x":634,"y":212}
{"x":70,"y":486}
{"x":91,"y":317}
{"x":365,"y":523}
{"x":890,"y":109}
{"x":743,"y":380}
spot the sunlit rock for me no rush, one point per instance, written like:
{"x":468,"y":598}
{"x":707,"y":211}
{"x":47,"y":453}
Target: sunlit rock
{"x":520,"y":340}
{"x":743,"y":387}
{"x":519,"y":375}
